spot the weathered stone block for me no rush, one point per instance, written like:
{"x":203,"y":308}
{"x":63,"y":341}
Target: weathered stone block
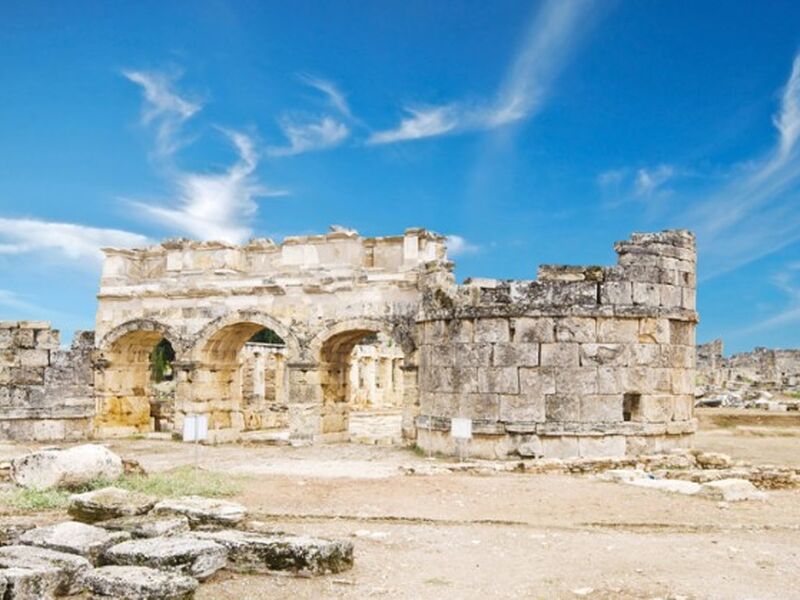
{"x":535,"y":383}
{"x":559,"y":447}
{"x":492,"y":330}
{"x":681,"y":333}
{"x":465,"y":380}
{"x":575,"y":329}
{"x":562,"y":408}
{"x":611,"y":446}
{"x":532,"y":329}
{"x":616,"y":292}
{"x":656,"y":408}
{"x":617,"y":330}
{"x":108,"y":503}
{"x":522,"y":408}
{"x":560,"y":355}
{"x":472,"y":355}
{"x":684,"y":408}
{"x":645,"y":354}
{"x":688,"y":298}
{"x":498,"y":380}
{"x":138,"y":583}
{"x":654,"y":331}
{"x":24,"y":338}
{"x":34,"y":358}
{"x":601,"y":408}
{"x":478,"y":406}
{"x":29,"y":584}
{"x":181,"y":554}
{"x":258,"y":553}
{"x":62,"y":569}
{"x":519,"y":354}
{"x":68,"y":468}
{"x":146,"y":526}
{"x":671,"y":296}
{"x":609,"y":380}
{"x":47,"y":339}
{"x":647,"y":294}
{"x":75,"y":538}
{"x":203,"y":512}
{"x":576,"y":380}
{"x":603,"y":354}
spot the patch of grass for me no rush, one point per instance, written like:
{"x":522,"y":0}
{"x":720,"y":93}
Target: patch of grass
{"x":182,"y":481}
{"x":36,"y":500}
{"x":795,"y":395}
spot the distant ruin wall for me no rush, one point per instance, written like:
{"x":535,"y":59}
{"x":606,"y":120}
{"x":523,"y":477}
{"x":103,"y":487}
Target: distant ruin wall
{"x":46,"y":392}
{"x":584,"y":361}
{"x":767,"y":368}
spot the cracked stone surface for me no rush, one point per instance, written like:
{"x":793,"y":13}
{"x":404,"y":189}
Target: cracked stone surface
{"x":64,"y":567}
{"x":146,"y":526}
{"x":258,"y":553}
{"x":76,"y":538}
{"x":184,"y":555}
{"x":108,"y":503}
{"x":138,"y":583}
{"x":203,"y":512}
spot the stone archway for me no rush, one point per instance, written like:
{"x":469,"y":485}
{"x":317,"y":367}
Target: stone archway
{"x":214,"y":381}
{"x":334,"y":350}
{"x":123,"y":379}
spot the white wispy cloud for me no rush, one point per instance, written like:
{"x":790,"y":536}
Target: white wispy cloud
{"x":208,"y":206}
{"x":216,"y":206}
{"x":788,"y":282}
{"x":421,"y":123}
{"x":755,"y":213}
{"x":335,"y":96}
{"x":163,"y":108}
{"x":648,"y":181}
{"x":551,"y":37}
{"x":459,"y":246}
{"x":66,"y":240}
{"x":309,"y":136}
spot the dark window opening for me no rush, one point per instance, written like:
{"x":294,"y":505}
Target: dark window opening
{"x":161,"y":359}
{"x":630,"y":407}
{"x":267,"y":336}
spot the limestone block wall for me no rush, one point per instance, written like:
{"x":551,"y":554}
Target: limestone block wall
{"x":46,"y":392}
{"x":583,"y":361}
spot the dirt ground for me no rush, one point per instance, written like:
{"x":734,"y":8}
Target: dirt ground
{"x":505,"y":535}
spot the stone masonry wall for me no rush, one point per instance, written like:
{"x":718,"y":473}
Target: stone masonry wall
{"x":46,"y":392}
{"x":584,"y":361}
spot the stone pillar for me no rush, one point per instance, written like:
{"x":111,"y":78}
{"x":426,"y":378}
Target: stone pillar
{"x":305,"y":401}
{"x":410,"y":401}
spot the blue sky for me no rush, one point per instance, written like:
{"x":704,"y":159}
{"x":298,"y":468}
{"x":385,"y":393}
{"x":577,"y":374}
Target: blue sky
{"x":530,"y":132}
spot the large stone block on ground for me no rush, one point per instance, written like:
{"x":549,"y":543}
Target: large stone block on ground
{"x":203,"y":512}
{"x":261,"y":553}
{"x":149,"y":526}
{"x":731,"y":490}
{"x":76,"y":538}
{"x":181,"y":554}
{"x":69,"y":468}
{"x":138,"y":583}
{"x":61,"y":571}
{"x":28,"y":584}
{"x":13,"y":527}
{"x":108,"y":503}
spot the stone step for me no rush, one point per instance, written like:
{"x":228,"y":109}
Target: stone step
{"x":59,"y":571}
{"x":181,"y":554}
{"x":108,"y":503}
{"x":203,"y":512}
{"x":75,"y":538}
{"x":146,"y":526}
{"x":262,"y":553}
{"x":138,"y":583}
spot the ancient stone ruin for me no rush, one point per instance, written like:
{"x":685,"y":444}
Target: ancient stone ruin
{"x":582,"y":361}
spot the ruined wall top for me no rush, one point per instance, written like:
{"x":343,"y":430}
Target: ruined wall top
{"x":339,"y":252}
{"x":655,"y":275}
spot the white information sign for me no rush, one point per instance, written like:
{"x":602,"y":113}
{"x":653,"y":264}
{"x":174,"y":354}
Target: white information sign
{"x":461,"y":429}
{"x":195,"y":428}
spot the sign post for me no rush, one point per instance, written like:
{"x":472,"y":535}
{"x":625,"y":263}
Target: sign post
{"x":461,"y":432}
{"x":195,"y":429}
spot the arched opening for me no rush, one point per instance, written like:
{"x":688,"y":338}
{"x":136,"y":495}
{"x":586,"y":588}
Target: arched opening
{"x":136,"y":388}
{"x":242,"y":379}
{"x":362,"y":383}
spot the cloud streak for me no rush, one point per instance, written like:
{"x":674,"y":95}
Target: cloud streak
{"x":75,"y":242}
{"x":551,"y":37}
{"x":163,"y":108}
{"x":459,"y":246}
{"x":755,"y":213}
{"x":310,"y":136}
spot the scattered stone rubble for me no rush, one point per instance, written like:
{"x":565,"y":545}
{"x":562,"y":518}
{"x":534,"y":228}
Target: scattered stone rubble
{"x":693,"y":466}
{"x":153,"y":556}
